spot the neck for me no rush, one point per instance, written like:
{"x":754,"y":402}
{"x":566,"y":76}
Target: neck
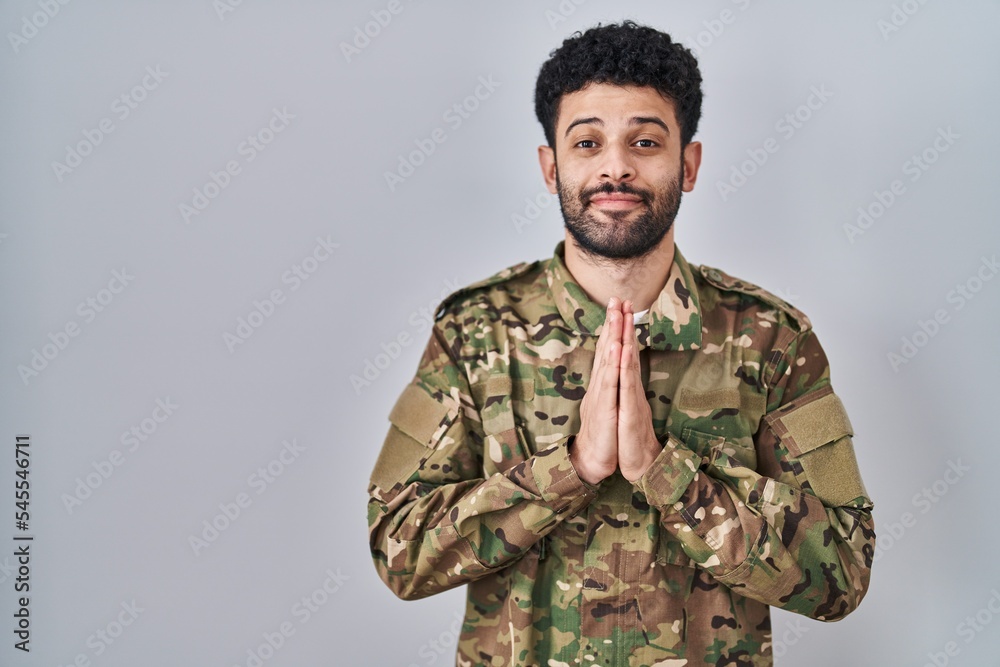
{"x":638,"y":280}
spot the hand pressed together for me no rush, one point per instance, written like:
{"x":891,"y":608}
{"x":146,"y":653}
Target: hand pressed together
{"x":616,"y":424}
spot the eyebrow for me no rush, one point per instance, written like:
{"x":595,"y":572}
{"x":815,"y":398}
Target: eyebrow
{"x":634,"y":120}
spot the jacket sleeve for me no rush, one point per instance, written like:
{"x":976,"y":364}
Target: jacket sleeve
{"x":435,"y":521}
{"x":797,"y":531}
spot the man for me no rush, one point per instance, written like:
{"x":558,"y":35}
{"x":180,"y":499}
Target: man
{"x":626,"y":457}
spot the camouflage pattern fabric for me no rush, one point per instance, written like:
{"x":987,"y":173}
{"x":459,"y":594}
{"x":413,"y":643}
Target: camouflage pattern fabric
{"x":755,"y":500}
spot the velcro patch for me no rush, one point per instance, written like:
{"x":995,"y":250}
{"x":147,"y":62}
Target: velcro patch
{"x":418,"y":415}
{"x":818,"y":434}
{"x":833,"y":474}
{"x":416,"y":418}
{"x":714,"y":399}
{"x":750,"y":404}
{"x":499,"y":384}
{"x":400,"y":456}
{"x":814,"y":424}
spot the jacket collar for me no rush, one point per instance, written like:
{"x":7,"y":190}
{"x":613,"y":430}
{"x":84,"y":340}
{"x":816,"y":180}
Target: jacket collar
{"x":674,"y":318}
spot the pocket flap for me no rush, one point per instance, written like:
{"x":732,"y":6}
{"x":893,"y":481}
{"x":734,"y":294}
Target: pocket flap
{"x":498,"y":401}
{"x":417,"y":424}
{"x":418,"y":415}
{"x":813,"y":424}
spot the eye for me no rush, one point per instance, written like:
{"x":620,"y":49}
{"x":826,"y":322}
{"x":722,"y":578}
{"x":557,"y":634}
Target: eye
{"x":646,"y":143}
{"x":580,"y":144}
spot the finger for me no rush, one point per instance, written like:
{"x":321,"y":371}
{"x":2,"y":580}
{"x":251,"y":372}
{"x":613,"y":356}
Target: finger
{"x":616,"y":331}
{"x":627,"y":329}
{"x":600,"y":361}
{"x":604,"y":376}
{"x":633,"y":335}
{"x":623,"y":357}
{"x":607,"y":332}
{"x":608,"y":400}
{"x":630,"y":324}
{"x":631,"y":374}
{"x":605,"y":398}
{"x":641,"y":400}
{"x":601,"y":349}
{"x":635,"y":346}
{"x":628,"y":321}
{"x":613,"y":357}
{"x":626,"y":381}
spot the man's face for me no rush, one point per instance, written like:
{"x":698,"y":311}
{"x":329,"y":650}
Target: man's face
{"x":618,"y":168}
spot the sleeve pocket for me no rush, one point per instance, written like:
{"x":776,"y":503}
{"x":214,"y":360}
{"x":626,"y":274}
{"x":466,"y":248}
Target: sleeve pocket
{"x":817,"y":433}
{"x":419,"y":416}
{"x":417,"y":422}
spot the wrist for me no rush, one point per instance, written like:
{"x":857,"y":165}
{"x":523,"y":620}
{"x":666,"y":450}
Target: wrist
{"x":583,"y":470}
{"x":647,"y":457}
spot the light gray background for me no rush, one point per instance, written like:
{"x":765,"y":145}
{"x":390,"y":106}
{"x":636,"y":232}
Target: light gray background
{"x":399,"y":251}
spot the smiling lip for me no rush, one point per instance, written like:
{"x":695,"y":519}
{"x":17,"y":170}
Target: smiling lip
{"x":615,"y":201}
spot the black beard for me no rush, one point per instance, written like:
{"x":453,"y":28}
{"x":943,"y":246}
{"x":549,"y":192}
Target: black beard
{"x":620,"y":239}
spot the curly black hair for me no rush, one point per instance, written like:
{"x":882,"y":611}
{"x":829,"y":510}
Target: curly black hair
{"x":622,"y":54}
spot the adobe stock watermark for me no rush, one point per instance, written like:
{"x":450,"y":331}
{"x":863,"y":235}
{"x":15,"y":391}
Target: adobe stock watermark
{"x":264,"y":309}
{"x":432,"y":649}
{"x":971,"y":627}
{"x":31,"y":24}
{"x":915,"y":167}
{"x":302,"y":611}
{"x":789,"y":636}
{"x":420,"y":320}
{"x":121,"y":107}
{"x":248,"y":149}
{"x":786,"y":126}
{"x":786,"y":295}
{"x":224,"y":7}
{"x":455,"y":116}
{"x":533,"y":207}
{"x":230,"y":511}
{"x":88,"y":309}
{"x":364,"y":34}
{"x":714,"y":28}
{"x":131,"y":439}
{"x":562,"y":12}
{"x":6,"y":569}
{"x":958,"y":297}
{"x":105,"y":637}
{"x":899,"y":16}
{"x":923,"y":501}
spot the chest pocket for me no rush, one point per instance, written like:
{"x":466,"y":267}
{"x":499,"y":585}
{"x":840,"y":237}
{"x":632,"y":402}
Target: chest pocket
{"x":506,"y":442}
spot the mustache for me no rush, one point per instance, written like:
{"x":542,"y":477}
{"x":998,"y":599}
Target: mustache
{"x":622,"y":188}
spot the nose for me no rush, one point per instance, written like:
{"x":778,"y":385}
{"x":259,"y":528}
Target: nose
{"x":617,"y":164}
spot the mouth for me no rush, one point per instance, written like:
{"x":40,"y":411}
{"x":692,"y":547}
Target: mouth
{"x":615,"y":201}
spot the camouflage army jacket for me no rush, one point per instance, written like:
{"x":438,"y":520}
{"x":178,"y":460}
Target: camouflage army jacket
{"x":755,"y":500}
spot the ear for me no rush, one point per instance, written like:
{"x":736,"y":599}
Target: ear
{"x":692,"y":161}
{"x":547,"y":161}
